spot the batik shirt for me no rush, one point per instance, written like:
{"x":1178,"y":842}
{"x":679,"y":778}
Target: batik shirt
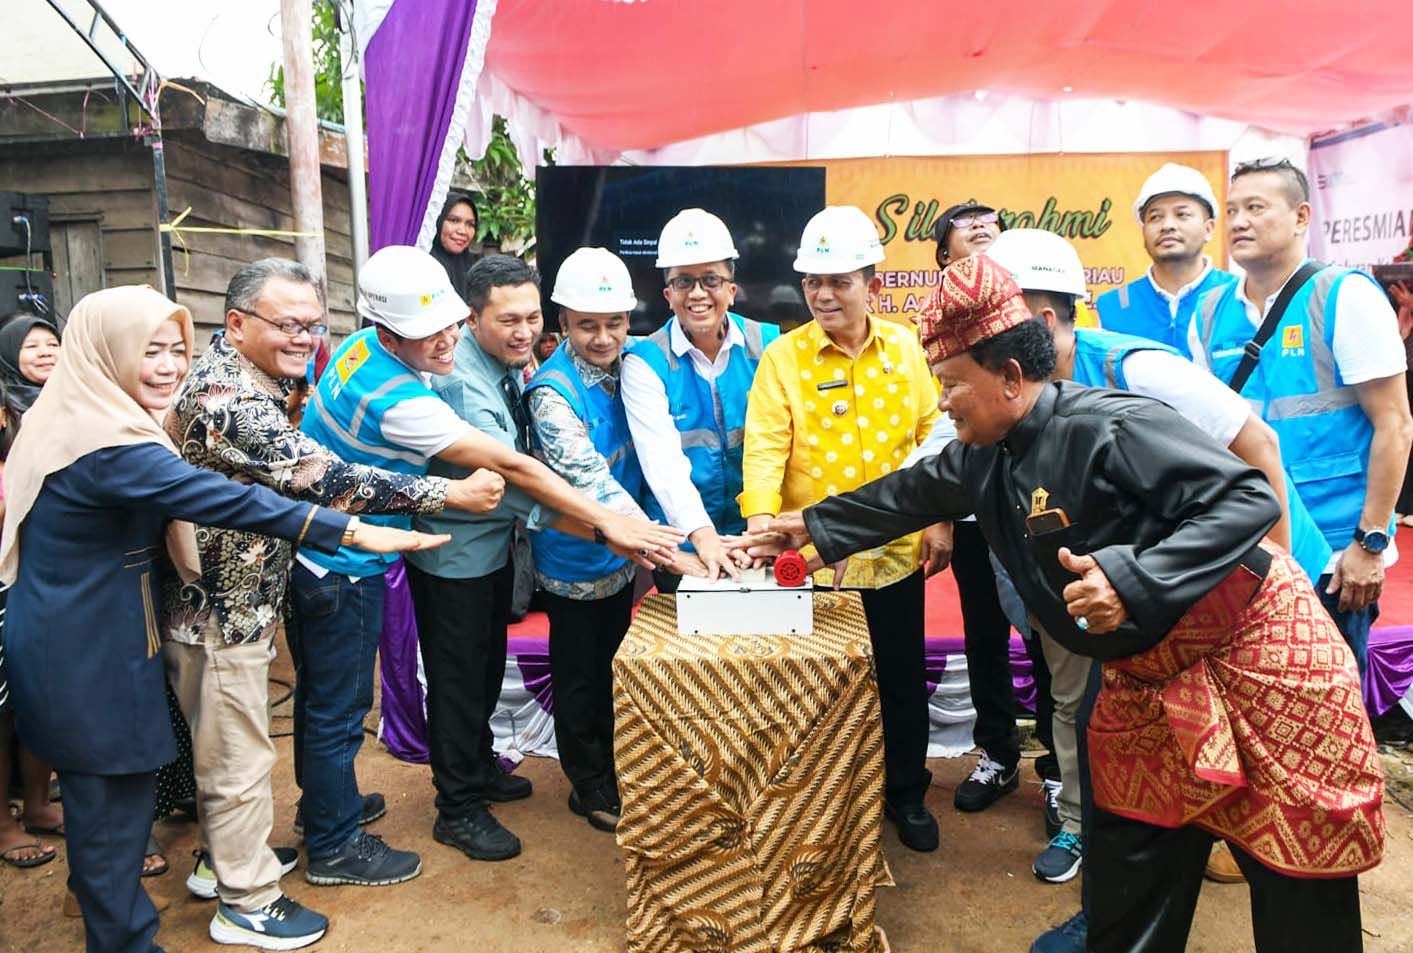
{"x":231,"y":417}
{"x":567,"y":449}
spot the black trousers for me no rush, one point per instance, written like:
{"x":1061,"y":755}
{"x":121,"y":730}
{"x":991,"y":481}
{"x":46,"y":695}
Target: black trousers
{"x":584,"y":634}
{"x":1144,"y":882}
{"x":988,"y":647}
{"x":894,"y":615}
{"x":107,"y":819}
{"x":461,"y":627}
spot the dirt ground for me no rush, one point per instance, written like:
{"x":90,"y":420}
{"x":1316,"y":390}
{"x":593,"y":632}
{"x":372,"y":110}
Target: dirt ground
{"x":566,"y":891}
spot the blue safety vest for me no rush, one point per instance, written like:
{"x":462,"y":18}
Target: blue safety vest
{"x":361,"y":382}
{"x":711,"y":417}
{"x":559,"y":555}
{"x":1296,"y":388}
{"x":1138,"y":309}
{"x":1099,"y":362}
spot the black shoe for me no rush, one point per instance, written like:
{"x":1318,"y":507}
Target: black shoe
{"x":598,"y":805}
{"x":917,"y":828}
{"x":988,"y":781}
{"x":364,"y":861}
{"x":506,"y":787}
{"x":374,"y":807}
{"x":478,"y":835}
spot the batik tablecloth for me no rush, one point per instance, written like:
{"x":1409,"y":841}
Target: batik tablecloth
{"x":751,"y":772}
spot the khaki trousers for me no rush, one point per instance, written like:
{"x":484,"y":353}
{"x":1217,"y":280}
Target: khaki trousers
{"x":1069,"y":674}
{"x":223,"y":691}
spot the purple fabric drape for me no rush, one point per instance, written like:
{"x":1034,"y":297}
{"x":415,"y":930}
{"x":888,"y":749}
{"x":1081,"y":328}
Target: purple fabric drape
{"x":411,"y":69}
{"x":404,"y":728}
{"x":1022,"y":670}
{"x":1390,"y":667}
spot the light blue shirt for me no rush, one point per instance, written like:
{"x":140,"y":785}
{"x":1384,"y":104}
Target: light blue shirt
{"x":480,"y":542}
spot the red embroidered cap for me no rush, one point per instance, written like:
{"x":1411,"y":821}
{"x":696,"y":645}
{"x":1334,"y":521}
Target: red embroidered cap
{"x":977,"y":299}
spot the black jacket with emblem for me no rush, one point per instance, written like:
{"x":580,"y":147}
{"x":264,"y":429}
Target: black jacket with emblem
{"x":1166,"y":511}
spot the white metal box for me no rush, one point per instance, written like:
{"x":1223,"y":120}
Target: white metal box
{"x":752,"y":605}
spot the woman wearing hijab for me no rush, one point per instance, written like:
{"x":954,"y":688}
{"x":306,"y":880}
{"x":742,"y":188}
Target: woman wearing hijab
{"x":99,"y":505}
{"x":456,"y":230}
{"x":29,"y":352}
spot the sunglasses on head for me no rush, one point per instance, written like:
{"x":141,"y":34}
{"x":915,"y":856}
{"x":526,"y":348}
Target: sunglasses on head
{"x":1264,"y":163}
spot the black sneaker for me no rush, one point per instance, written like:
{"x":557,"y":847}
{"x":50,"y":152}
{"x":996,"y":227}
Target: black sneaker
{"x":478,"y":835}
{"x":917,"y":828}
{"x":1053,"y":823}
{"x":1059,"y":862}
{"x":598,"y":805}
{"x":1070,"y":937}
{"x":374,"y":807}
{"x":506,"y":787}
{"x":365,"y":861}
{"x":988,"y":781}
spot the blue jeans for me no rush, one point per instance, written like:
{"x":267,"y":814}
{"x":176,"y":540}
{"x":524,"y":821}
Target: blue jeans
{"x":334,"y":641}
{"x":1354,"y":626}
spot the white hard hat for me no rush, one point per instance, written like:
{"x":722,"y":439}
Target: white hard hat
{"x":1039,"y":261}
{"x":408,"y":292}
{"x":594,"y":281}
{"x":1174,"y":179}
{"x":838,"y":240}
{"x":694,"y":237}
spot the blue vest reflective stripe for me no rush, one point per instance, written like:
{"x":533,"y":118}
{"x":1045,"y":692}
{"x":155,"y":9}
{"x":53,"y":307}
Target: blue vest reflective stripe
{"x":1138,"y":309}
{"x":711,"y":417}
{"x":559,"y":555}
{"x":344,"y":414}
{"x":1325,"y":435}
{"x":1099,"y":356}
{"x":1099,"y":362}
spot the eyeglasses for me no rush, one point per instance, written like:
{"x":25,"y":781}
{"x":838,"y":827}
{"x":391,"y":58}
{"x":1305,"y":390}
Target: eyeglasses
{"x":682,"y":284}
{"x":289,"y":327}
{"x":984,"y":218}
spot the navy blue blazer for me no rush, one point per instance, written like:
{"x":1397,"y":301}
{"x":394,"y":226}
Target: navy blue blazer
{"x":81,"y":634}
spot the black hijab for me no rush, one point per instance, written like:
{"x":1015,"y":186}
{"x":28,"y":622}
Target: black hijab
{"x":456,"y":265}
{"x":19,"y":390}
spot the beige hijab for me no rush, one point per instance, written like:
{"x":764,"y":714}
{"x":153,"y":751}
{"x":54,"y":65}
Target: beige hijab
{"x":90,"y":403}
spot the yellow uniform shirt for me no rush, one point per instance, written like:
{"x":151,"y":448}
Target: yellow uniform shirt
{"x":821,"y":422}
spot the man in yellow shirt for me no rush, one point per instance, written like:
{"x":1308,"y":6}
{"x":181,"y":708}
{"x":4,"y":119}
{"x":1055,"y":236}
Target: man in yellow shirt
{"x":838,"y":402}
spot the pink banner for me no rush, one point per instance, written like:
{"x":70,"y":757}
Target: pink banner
{"x":1361,"y":187}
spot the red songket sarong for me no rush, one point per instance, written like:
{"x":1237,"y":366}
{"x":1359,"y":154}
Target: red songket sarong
{"x":1247,"y":720}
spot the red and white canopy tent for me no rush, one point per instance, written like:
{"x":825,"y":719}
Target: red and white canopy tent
{"x":746,"y":80}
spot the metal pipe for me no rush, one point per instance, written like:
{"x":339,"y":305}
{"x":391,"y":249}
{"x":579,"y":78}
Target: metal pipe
{"x":93,"y":45}
{"x":302,"y":133}
{"x":352,"y":64}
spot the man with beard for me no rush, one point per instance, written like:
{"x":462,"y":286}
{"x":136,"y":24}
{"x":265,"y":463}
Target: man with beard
{"x":1177,"y":212}
{"x":1136,"y":539}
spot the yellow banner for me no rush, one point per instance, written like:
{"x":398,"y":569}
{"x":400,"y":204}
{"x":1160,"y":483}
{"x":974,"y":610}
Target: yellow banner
{"x":1086,"y":198}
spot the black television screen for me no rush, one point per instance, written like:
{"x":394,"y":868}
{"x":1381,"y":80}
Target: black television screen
{"x":623,"y":209}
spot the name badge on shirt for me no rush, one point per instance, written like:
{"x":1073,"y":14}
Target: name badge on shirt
{"x":831,"y":385}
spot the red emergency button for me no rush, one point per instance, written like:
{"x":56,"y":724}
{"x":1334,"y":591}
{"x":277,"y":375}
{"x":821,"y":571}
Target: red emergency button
{"x":790,"y":569}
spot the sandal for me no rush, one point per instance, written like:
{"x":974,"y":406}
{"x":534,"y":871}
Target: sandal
{"x":154,"y":849}
{"x":56,"y":831}
{"x":36,"y":844}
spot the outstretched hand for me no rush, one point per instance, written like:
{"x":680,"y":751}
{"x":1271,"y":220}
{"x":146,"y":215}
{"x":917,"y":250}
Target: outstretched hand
{"x":373,"y":538}
{"x":1091,"y":599}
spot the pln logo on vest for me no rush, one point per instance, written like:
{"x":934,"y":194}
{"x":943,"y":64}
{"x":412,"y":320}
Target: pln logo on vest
{"x":1293,"y":341}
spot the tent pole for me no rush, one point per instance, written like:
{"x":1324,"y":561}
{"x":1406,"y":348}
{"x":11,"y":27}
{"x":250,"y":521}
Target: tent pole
{"x":352,"y":64}
{"x":302,"y":131}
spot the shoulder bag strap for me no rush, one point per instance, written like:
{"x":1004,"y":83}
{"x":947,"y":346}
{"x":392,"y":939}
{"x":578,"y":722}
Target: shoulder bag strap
{"x":1253,"y":347}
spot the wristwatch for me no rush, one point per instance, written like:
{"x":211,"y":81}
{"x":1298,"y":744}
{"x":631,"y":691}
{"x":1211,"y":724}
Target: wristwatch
{"x":1374,"y":541}
{"x":350,"y":530}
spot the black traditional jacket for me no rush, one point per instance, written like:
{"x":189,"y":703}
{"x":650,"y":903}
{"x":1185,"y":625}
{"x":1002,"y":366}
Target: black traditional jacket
{"x":1165,"y":511}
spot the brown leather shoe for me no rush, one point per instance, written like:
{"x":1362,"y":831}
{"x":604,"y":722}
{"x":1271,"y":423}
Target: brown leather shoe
{"x":1221,"y":866}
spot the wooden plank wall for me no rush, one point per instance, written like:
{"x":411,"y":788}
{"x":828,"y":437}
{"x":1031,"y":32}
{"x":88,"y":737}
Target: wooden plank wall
{"x":110,"y":182}
{"x":236,"y":188}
